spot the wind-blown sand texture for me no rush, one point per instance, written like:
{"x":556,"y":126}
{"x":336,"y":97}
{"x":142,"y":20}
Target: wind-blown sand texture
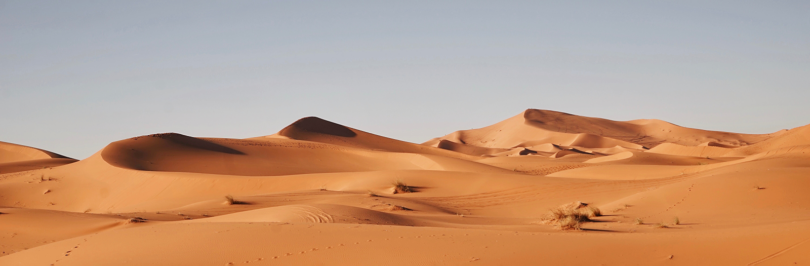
{"x":320,"y":193}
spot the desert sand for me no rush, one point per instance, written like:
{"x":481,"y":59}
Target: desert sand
{"x":321,"y":193}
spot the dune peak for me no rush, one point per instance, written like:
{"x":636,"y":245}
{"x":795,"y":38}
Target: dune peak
{"x":317,"y":125}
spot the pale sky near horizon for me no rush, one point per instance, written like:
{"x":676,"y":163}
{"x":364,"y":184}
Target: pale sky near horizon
{"x":77,"y":75}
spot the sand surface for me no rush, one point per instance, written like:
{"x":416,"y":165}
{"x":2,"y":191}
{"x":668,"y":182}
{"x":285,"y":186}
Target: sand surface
{"x":321,"y":193}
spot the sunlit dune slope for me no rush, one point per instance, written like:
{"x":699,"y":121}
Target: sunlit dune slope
{"x":16,"y":158}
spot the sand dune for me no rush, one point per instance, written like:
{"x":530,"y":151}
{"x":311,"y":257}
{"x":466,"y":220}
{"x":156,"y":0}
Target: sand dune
{"x":17,"y":158}
{"x":318,"y":130}
{"x":271,"y":156}
{"x":318,"y":192}
{"x":10,"y":152}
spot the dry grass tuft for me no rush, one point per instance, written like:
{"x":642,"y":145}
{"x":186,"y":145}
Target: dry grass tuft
{"x":401,"y":187}
{"x":661,"y":225}
{"x":676,"y":221}
{"x":639,"y":221}
{"x":372,"y":194}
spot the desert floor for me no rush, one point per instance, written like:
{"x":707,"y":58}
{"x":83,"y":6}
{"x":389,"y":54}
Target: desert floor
{"x":540,"y":188}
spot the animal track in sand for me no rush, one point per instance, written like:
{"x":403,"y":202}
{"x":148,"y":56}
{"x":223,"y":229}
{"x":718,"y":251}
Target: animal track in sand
{"x":688,"y":191}
{"x":780,"y":252}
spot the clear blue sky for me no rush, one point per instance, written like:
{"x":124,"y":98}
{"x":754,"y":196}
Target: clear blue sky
{"x":77,"y":75}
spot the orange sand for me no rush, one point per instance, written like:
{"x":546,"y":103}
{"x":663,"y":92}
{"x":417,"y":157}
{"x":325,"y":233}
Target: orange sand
{"x":319,"y":193}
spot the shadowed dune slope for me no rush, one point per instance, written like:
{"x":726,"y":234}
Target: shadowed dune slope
{"x":571,"y":130}
{"x":468,"y":149}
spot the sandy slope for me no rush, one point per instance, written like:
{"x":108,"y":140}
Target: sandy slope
{"x":16,"y":158}
{"x":319,"y":193}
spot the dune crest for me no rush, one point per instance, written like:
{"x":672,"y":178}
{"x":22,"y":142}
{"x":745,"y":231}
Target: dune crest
{"x":316,"y":125}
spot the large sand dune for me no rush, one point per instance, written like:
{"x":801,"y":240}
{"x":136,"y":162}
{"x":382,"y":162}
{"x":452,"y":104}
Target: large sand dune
{"x":543,"y":126}
{"x":320,"y":193}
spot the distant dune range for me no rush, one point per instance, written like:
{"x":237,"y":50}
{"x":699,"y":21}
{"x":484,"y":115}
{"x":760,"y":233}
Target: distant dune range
{"x":321,"y":193}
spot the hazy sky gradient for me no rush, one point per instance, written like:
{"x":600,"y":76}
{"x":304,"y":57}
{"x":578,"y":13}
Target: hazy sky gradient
{"x":77,"y":75}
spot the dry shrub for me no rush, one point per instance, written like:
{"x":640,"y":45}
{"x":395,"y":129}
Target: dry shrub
{"x":392,"y":207}
{"x":135,"y":220}
{"x":571,"y":216}
{"x":639,"y":221}
{"x":231,"y":201}
{"x":571,"y":222}
{"x":401,"y":187}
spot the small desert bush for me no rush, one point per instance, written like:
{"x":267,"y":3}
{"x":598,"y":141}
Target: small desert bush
{"x":676,"y":221}
{"x":371,"y":194}
{"x":392,"y":207}
{"x":401,"y":187}
{"x":661,"y":225}
{"x":571,"y":216}
{"x":639,"y":221}
{"x":231,"y":201}
{"x":136,"y":220}
{"x":563,"y":213}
